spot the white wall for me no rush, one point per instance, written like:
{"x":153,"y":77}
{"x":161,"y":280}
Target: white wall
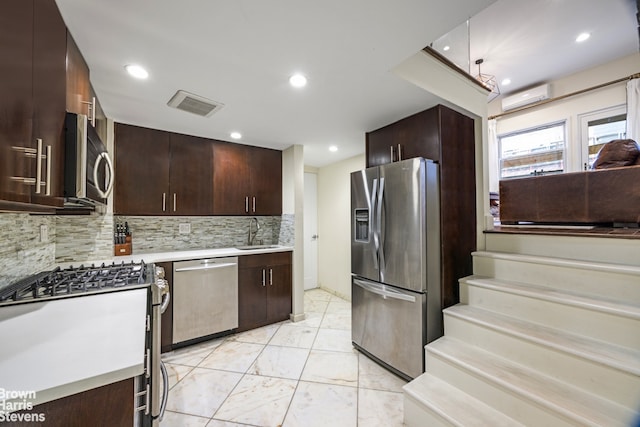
{"x":334,"y":225}
{"x":570,"y":109}
{"x":293,"y":204}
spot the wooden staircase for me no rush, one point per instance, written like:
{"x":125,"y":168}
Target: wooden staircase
{"x":536,"y":341}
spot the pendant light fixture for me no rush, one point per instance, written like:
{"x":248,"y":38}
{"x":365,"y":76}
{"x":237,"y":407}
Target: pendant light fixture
{"x":488,"y":81}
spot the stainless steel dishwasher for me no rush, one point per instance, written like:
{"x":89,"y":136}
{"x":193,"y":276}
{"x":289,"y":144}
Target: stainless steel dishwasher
{"x":205,"y":297}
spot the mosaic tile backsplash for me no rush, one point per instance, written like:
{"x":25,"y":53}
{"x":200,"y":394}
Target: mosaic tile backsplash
{"x":81,"y":238}
{"x":21,"y":250}
{"x":162,"y":234}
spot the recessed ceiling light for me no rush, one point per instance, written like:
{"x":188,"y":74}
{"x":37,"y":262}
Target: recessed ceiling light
{"x":582,"y":37}
{"x":333,"y":148}
{"x":136,"y":71}
{"x":298,"y":80}
{"x":236,"y":135}
{"x":506,"y":82}
{"x":446,"y":48}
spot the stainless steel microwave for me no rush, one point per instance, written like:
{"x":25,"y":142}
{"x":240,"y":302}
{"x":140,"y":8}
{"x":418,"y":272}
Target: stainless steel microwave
{"x":88,"y":175}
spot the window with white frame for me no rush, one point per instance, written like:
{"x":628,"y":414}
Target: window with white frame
{"x":533,"y":151}
{"x":599,"y":127}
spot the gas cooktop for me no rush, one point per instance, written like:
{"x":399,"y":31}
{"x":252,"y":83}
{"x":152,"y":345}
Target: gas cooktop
{"x":77,"y":280}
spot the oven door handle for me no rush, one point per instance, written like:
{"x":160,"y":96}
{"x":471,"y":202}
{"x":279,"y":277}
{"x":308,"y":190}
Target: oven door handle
{"x":384,"y":291}
{"x":165,"y":390}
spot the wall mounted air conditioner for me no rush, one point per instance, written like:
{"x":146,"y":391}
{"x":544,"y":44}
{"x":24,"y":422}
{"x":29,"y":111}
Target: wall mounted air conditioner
{"x":531,"y":96}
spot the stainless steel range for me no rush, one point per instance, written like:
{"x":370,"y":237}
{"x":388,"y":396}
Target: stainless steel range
{"x":69,"y":286}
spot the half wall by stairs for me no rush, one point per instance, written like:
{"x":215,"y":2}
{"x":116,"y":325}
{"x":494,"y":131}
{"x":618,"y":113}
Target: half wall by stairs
{"x":536,"y":341}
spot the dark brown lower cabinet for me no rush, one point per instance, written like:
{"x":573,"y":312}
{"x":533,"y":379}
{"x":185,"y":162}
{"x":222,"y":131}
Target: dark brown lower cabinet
{"x":107,"y":406}
{"x":264,"y":289}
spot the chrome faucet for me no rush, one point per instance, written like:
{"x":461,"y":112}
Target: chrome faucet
{"x":250,"y":238}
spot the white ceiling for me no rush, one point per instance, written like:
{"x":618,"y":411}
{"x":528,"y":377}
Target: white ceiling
{"x":241,"y":53}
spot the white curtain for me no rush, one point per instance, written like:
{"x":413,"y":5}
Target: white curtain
{"x":494,"y":159}
{"x":633,"y":110}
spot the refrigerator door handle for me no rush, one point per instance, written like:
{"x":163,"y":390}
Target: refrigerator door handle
{"x":380,"y":242}
{"x":372,"y":229}
{"x":384,"y":291}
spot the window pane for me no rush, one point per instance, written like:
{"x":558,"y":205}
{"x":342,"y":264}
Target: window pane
{"x":605,"y":130}
{"x":535,"y":150}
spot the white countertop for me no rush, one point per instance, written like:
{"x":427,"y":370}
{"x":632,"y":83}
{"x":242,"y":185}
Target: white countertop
{"x":58,"y":347}
{"x":189,"y":254}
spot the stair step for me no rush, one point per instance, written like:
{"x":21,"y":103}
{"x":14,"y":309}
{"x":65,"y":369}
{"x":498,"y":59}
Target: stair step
{"x":600,"y":368}
{"x":611,"y":281}
{"x":610,"y":321}
{"x":519,"y":392}
{"x":429,"y":396}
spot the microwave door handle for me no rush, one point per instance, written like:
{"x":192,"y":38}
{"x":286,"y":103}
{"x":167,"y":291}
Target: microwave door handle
{"x":104,"y":194}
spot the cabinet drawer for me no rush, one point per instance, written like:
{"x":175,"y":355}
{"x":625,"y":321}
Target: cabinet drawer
{"x":261,"y":260}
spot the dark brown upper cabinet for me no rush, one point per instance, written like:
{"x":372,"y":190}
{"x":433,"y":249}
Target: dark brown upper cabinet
{"x":247,"y":180}
{"x":32,"y":106}
{"x":162,"y":173}
{"x":43,"y":72}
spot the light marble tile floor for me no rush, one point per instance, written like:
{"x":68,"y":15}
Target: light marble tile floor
{"x":301,"y":374}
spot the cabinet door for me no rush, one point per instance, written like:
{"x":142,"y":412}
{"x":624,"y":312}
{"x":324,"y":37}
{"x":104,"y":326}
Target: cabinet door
{"x":231,"y":177}
{"x":190,"y":176}
{"x":252,"y":298}
{"x":266,"y":181}
{"x":279,"y":293}
{"x":142,"y":171}
{"x":418,"y":136}
{"x":379,"y":146}
{"x":49,"y":76}
{"x":16,"y":102}
{"x":78,"y":95}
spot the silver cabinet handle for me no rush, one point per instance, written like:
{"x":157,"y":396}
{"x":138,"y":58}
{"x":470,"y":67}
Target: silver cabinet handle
{"x":264,"y":281}
{"x":391,"y":153}
{"x":48,"y":184}
{"x":39,"y":166}
{"x":164,"y":202}
{"x":174,"y":202}
{"x":104,"y":156}
{"x":254,"y":204}
{"x":29,"y":153}
{"x":271,"y":277}
{"x":246,"y":204}
{"x":399,"y":152}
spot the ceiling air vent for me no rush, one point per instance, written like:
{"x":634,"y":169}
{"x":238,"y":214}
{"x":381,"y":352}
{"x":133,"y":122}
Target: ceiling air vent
{"x":195,"y":104}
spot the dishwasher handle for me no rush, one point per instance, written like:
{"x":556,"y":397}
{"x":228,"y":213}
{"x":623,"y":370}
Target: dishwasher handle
{"x":206,"y":266}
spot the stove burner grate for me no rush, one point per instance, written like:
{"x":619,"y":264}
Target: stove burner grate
{"x":75,"y":280}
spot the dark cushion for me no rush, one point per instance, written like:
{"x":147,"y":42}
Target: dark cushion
{"x":617,"y":153}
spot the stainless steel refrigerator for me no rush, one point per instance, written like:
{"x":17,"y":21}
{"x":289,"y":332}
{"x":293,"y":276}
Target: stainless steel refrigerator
{"x":395,"y":263}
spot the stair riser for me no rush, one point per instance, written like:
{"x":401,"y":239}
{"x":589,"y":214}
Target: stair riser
{"x":583,"y":321}
{"x":418,"y":415}
{"x":605,"y":284}
{"x":505,"y":401}
{"x":599,"y":379}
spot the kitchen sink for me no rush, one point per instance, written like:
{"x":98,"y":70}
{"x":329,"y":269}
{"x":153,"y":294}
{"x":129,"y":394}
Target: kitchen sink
{"x":250,"y":247}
